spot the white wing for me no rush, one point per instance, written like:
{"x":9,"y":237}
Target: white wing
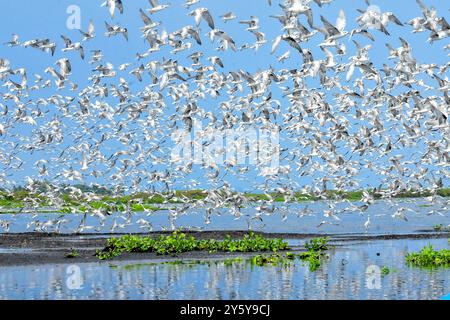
{"x":275,"y":44}
{"x":350,"y":72}
{"x":91,"y":28}
{"x":341,"y":21}
{"x":112,"y":7}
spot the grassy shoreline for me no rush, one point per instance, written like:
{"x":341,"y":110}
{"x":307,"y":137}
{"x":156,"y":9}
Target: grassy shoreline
{"x":22,"y":200}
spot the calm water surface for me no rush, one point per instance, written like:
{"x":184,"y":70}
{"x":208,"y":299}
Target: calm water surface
{"x":420,"y":214}
{"x":343,"y":276}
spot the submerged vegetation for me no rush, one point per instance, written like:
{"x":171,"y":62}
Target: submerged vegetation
{"x":429,"y":258}
{"x":177,"y":243}
{"x":91,"y":198}
{"x":385,"y":271}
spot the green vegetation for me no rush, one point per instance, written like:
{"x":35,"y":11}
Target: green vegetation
{"x":314,"y":255}
{"x":386,"y":271}
{"x":429,"y":258}
{"x":347,"y":195}
{"x":317,"y":244}
{"x":177,"y":243}
{"x":273,"y":259}
{"x":315,"y":252}
{"x":107,"y":207}
{"x":97,"y":197}
{"x":441,"y":228}
{"x":72,"y":254}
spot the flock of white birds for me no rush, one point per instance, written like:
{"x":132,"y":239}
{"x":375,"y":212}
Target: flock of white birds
{"x":342,"y":116}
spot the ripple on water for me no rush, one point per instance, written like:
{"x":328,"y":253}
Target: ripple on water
{"x":342,"y":276}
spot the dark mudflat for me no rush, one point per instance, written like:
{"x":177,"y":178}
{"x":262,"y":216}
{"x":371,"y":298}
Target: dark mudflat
{"x":50,"y":248}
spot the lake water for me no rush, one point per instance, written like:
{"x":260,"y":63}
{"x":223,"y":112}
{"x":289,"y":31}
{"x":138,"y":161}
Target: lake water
{"x":420,"y":214}
{"x":351,"y":272}
{"x":343,"y":276}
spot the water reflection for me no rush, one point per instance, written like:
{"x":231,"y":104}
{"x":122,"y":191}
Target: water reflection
{"x":343,"y":276}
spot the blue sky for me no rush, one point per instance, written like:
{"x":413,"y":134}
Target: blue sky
{"x":31,"y":19}
{"x":47,"y":19}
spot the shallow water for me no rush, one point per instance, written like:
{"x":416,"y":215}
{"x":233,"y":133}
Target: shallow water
{"x":421,"y":215}
{"x":342,"y":276}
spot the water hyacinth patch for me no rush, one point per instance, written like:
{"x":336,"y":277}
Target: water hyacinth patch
{"x":273,"y":259}
{"x":178,"y":242}
{"x":429,"y":258}
{"x":315,"y":253}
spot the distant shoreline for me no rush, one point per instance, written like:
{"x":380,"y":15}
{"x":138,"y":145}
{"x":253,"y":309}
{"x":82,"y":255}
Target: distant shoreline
{"x":140,"y":202}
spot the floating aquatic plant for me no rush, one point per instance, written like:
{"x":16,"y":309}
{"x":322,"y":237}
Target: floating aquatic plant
{"x":385,"y":271}
{"x":315,"y":252}
{"x":273,"y":259}
{"x":429,"y":258}
{"x":72,"y":254}
{"x":178,"y":242}
{"x":314,"y":255}
{"x":441,"y":228}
